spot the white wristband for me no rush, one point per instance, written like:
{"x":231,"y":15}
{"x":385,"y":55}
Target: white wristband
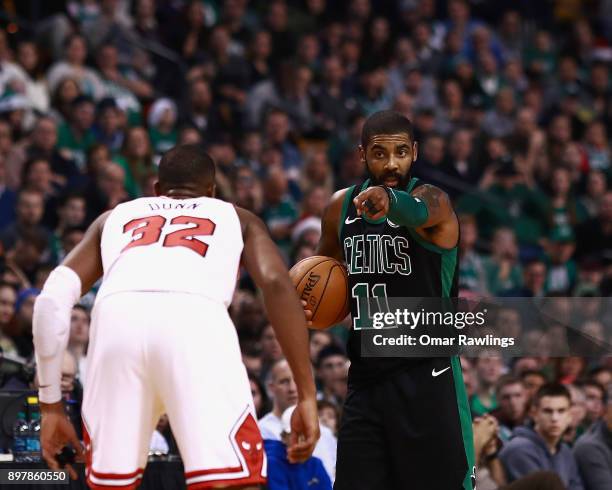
{"x":51,"y":329}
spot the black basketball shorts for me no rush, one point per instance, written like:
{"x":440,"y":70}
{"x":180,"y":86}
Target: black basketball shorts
{"x":410,"y":431}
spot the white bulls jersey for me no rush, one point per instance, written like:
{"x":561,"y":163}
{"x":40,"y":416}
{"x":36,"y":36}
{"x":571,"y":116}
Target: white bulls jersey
{"x":163,"y":244}
{"x":159,"y":346}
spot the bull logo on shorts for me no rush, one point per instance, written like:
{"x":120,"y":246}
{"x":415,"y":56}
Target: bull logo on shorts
{"x":250,"y":443}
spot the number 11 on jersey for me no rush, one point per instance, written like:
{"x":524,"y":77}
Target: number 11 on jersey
{"x":364,"y":295}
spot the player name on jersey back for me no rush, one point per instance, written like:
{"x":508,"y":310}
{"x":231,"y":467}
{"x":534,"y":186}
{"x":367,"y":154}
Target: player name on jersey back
{"x":175,"y":204}
{"x":164,"y":244}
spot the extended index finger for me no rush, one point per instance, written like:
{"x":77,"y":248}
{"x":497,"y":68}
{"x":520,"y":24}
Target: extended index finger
{"x":72,"y":472}
{"x":361,"y":198}
{"x":78,"y":447}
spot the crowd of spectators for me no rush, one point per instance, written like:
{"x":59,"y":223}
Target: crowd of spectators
{"x":512,"y":107}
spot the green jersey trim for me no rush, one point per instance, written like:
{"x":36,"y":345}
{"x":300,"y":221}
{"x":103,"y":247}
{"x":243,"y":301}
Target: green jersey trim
{"x":447,"y":271}
{"x":428,"y":245}
{"x":465,"y":417}
{"x":411,"y":184}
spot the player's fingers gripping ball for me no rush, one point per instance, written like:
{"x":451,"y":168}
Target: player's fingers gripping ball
{"x":322,"y":283}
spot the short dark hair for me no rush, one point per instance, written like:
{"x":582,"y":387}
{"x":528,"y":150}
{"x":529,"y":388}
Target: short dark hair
{"x":552,"y":389}
{"x":594,"y":384}
{"x":599,"y":369}
{"x":506,"y":380}
{"x":329,"y":351}
{"x":274,"y":111}
{"x":84,"y":309}
{"x":69,"y":196}
{"x":8,"y":285}
{"x":80,"y":100}
{"x":321,"y":404}
{"x":27,"y":166}
{"x":73,"y":229}
{"x":534,"y":261}
{"x":386,"y":122}
{"x":533,"y":372}
{"x":185,"y":164}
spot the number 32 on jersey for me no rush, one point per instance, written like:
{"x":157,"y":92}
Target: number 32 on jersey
{"x":149,"y":230}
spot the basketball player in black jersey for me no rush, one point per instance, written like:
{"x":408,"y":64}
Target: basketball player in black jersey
{"x":406,"y":422}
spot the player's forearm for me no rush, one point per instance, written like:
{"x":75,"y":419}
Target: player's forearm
{"x":406,"y":210}
{"x":287,"y":317}
{"x":51,"y":329}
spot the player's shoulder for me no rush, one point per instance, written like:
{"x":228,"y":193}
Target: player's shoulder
{"x":339,"y":196}
{"x":334,"y":207}
{"x":341,"y":193}
{"x":248,"y":220}
{"x":430,"y":192}
{"x":424,"y":187}
{"x":98,"y":224}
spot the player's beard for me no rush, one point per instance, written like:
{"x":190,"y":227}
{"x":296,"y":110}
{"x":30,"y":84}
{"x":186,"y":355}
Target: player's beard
{"x":402,"y":180}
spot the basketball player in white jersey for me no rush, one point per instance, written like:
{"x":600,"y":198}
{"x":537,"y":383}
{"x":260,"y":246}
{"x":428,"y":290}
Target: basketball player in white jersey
{"x":162,"y":340}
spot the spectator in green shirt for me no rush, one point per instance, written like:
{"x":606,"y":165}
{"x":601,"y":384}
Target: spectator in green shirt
{"x":162,"y":125}
{"x":471,"y":264}
{"x":502,"y":270}
{"x":561,"y":273}
{"x":596,"y":187}
{"x":76,"y":136}
{"x":563,"y":211}
{"x":489,"y":368}
{"x":505,"y":200}
{"x":541,"y":57}
{"x":280,"y":212}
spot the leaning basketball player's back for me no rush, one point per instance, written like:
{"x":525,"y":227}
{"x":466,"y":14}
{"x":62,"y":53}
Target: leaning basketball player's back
{"x":164,"y":244}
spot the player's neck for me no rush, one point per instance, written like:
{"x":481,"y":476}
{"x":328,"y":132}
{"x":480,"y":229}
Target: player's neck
{"x":180,"y":195}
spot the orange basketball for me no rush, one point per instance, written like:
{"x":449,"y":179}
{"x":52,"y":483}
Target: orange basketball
{"x":323,"y":283}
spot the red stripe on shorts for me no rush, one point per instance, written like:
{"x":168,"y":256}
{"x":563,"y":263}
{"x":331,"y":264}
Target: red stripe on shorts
{"x":97,"y":486}
{"x":116,"y":476}
{"x":249,"y":480}
{"x":214,"y":471}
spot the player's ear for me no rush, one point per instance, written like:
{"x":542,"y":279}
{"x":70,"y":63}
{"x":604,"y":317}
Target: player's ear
{"x":157,"y":189}
{"x":415,"y":151}
{"x":212,"y":190}
{"x":362,"y":154}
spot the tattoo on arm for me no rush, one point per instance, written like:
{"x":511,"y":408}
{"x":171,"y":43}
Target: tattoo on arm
{"x":430,"y":194}
{"x":437,"y":202}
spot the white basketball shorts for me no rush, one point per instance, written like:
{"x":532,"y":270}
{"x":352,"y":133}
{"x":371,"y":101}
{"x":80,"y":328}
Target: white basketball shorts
{"x":167,"y":352}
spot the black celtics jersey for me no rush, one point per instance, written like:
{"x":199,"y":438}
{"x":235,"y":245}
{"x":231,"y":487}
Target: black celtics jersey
{"x":384,"y":259}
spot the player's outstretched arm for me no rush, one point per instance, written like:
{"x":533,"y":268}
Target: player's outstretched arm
{"x":51,"y":328}
{"x":426,"y":207}
{"x":263,"y":261}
